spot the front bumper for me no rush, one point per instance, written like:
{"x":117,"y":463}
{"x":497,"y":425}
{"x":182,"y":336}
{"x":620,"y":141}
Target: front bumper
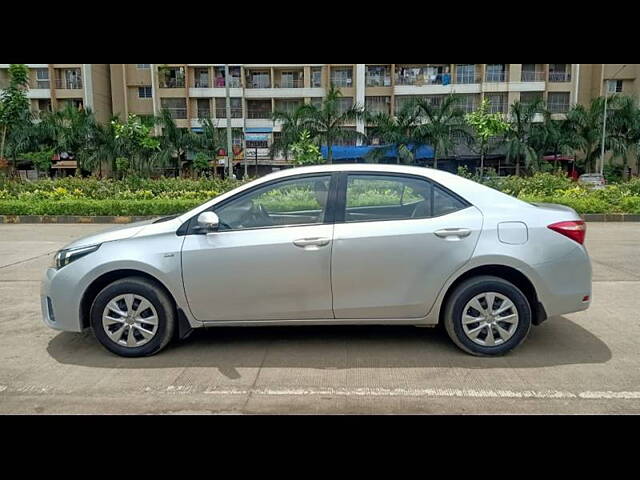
{"x":60,"y":301}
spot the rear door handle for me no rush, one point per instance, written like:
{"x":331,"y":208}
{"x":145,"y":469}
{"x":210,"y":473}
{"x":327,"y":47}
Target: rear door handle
{"x":312,"y":242}
{"x":453,"y":232}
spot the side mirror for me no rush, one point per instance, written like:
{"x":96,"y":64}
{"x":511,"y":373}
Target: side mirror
{"x":208,"y":221}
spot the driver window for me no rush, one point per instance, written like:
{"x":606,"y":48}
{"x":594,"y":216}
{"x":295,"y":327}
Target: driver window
{"x":290,"y":202}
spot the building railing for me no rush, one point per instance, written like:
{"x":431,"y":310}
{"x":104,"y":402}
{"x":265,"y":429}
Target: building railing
{"x":199,"y":83}
{"x":378,"y":81}
{"x":528,"y":76}
{"x":299,"y":83}
{"x":495,"y":77}
{"x":342,"y":82}
{"x":558,"y":107}
{"x":172,"y":83}
{"x":467,"y":78}
{"x":420,"y":80}
{"x":43,"y":84}
{"x":204,"y":113}
{"x":498,"y":107}
{"x":559,"y":77}
{"x":259,"y":83}
{"x":69,"y":84}
{"x":234,"y":82}
{"x":222,"y":112}
{"x":259,"y":114}
{"x":177,"y":113}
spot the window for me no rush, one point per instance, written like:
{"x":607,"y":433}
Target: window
{"x":344,"y":103}
{"x":614,"y":86}
{"x":143,"y":65}
{"x":42,"y":78}
{"x":378,"y":104}
{"x":378,"y":76}
{"x":177,"y":107}
{"x":496,"y":72}
{"x":497,"y":102}
{"x":171,"y":77}
{"x":300,"y":201}
{"x":145,"y":92}
{"x":528,"y":98}
{"x":558,"y":102}
{"x":204,"y":110}
{"x":316,"y":77}
{"x":466,"y":73}
{"x":342,"y":77}
{"x":559,"y":72}
{"x":236,"y":108}
{"x":384,"y":197}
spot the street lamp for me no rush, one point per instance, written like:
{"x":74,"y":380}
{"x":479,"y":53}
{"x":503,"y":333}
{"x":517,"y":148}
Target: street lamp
{"x":604,"y":120}
{"x":229,"y":137}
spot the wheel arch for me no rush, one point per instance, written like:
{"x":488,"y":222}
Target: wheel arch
{"x":507,"y":273}
{"x":105,"y":279}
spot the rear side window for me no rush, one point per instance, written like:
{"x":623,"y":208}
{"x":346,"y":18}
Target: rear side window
{"x":390,"y":197}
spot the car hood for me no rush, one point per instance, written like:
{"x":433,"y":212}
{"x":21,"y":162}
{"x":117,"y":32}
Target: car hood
{"x":111,"y":234}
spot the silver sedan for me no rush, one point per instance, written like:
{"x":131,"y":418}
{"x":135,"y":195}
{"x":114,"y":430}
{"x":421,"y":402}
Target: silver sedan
{"x":336,"y":244}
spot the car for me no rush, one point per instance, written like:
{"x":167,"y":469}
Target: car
{"x":595,"y":181}
{"x":355,"y":244}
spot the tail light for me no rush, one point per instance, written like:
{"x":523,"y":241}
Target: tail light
{"x":575,"y":230}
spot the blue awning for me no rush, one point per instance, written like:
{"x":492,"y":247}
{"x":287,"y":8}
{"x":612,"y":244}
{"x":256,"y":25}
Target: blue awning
{"x":343,"y":153}
{"x":259,"y":130}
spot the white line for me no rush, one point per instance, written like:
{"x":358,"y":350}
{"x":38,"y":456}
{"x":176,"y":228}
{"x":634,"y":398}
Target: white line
{"x":428,"y":392}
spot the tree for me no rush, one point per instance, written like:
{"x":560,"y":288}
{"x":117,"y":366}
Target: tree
{"x":585,"y":130}
{"x":305,"y":152}
{"x":399,"y":132}
{"x":14,"y":104}
{"x":624,"y":128}
{"x":102,"y":146}
{"x":551,"y":136}
{"x":293,"y":124}
{"x":518,"y":136}
{"x":485,"y":126}
{"x":135,"y":143}
{"x":326,"y":124}
{"x":210,"y":140}
{"x":442,"y":123}
{"x":41,"y":160}
{"x":174,"y":141}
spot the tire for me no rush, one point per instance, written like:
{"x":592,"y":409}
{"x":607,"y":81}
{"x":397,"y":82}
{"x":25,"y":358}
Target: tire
{"x":148,"y":339}
{"x":476,"y":288}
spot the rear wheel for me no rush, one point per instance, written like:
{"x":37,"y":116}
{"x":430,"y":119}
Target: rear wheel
{"x":133,"y":317}
{"x":487,"y":315}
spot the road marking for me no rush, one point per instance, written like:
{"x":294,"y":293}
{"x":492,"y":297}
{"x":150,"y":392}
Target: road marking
{"x":354,"y":392}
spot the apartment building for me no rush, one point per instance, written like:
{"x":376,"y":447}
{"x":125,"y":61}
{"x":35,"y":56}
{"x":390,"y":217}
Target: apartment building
{"x":53,"y":86}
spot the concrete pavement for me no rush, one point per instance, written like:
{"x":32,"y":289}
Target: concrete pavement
{"x":581,"y":363}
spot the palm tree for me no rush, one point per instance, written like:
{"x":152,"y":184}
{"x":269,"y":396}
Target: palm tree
{"x":443,"y":122}
{"x":326,"y":124}
{"x":210,"y":140}
{"x":518,"y":137}
{"x":624,"y":128}
{"x":174,"y":142}
{"x":293,"y":124}
{"x":585,"y":130}
{"x":101,"y":147}
{"x":399,"y":132}
{"x":551,"y":136}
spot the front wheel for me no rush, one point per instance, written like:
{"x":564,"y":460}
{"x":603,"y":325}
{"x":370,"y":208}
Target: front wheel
{"x":133,"y":317}
{"x":487,"y":316}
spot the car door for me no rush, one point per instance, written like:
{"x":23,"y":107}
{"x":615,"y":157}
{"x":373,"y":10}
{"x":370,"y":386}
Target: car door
{"x":397,"y":239}
{"x":270,"y":258}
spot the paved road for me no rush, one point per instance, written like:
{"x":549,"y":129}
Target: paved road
{"x":581,"y":363}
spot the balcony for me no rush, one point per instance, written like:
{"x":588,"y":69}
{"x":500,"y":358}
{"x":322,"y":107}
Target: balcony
{"x":467,"y":79}
{"x":529,"y":76}
{"x":201,"y":83}
{"x":40,"y":84}
{"x":378,"y":81}
{"x":235,"y":113}
{"x":177,"y":113}
{"x":418,"y":81}
{"x":558,"y":107}
{"x":259,"y":114}
{"x":259,"y":82}
{"x":172,"y":83}
{"x":495,"y":77}
{"x":69,"y":83}
{"x":559,"y":77}
{"x":288,"y":83}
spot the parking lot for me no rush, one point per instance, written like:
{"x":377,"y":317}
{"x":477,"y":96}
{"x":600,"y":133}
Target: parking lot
{"x":587,"y":362}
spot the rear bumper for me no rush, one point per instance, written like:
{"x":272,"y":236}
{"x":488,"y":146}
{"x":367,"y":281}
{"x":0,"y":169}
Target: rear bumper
{"x":564,"y":283}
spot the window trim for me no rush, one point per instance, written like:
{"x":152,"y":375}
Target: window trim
{"x":188,"y":227}
{"x":341,"y":205}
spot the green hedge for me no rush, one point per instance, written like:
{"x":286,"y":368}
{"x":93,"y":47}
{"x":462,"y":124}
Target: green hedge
{"x":97,"y":207}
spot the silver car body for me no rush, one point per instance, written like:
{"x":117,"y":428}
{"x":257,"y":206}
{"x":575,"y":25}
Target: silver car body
{"x":377,"y":272}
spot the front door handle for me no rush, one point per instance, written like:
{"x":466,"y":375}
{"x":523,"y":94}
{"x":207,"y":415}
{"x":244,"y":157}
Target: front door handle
{"x":312,"y":242}
{"x":453,"y":232}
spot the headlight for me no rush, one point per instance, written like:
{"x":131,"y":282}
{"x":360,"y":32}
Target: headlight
{"x":65,"y":257}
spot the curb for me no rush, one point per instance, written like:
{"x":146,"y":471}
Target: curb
{"x":27,"y":219}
